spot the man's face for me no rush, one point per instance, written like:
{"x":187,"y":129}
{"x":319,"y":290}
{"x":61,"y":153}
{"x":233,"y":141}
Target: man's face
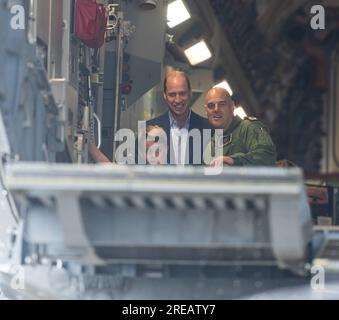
{"x":178,"y":96}
{"x":219,"y":108}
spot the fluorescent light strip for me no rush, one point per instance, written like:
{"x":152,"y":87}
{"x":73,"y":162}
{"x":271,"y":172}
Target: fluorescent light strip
{"x":240,"y":112}
{"x":198,"y":53}
{"x":224,"y":84}
{"x":177,"y":13}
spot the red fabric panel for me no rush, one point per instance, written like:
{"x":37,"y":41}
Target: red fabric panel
{"x":90,"y":23}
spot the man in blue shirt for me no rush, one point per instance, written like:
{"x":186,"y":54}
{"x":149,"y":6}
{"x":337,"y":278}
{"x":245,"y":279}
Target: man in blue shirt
{"x":180,"y":122}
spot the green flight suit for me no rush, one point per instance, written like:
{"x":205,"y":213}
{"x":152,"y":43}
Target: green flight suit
{"x":247,"y":142}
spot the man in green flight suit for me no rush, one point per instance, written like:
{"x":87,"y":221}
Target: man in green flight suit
{"x":244,"y":142}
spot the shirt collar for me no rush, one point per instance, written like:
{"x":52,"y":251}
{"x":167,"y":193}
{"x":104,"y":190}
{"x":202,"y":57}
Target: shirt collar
{"x":174,"y":124}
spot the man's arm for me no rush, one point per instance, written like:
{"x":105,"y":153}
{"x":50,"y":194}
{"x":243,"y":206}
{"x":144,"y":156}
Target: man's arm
{"x":96,"y":154}
{"x":261,"y":149}
{"x":222,"y":161}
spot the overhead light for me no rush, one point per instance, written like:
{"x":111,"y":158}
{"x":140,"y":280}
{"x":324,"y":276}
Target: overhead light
{"x":177,"y":13}
{"x":198,"y":53}
{"x":148,"y":4}
{"x":240,"y":112}
{"x":224,"y":84}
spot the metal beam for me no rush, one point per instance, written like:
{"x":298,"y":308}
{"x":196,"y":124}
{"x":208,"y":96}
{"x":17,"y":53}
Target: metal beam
{"x":272,"y":20}
{"x":229,"y":60}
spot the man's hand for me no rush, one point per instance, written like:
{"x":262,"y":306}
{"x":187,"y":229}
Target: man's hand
{"x":222,"y":161}
{"x":96,"y":154}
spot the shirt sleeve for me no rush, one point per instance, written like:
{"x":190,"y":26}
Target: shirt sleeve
{"x":261,"y":150}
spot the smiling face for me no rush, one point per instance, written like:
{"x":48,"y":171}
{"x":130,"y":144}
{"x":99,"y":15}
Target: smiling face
{"x":177,"y":94}
{"x":219,"y":108}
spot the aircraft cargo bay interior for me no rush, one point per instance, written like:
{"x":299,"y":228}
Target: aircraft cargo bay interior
{"x":169,"y":149}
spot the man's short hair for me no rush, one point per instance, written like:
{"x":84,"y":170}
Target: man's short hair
{"x":151,"y":127}
{"x":177,"y":72}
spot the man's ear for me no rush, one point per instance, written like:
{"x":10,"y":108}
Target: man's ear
{"x":232,"y":105}
{"x":164,"y":95}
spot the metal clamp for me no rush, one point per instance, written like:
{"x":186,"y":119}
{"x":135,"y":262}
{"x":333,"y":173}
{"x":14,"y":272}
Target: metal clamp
{"x":112,"y":19}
